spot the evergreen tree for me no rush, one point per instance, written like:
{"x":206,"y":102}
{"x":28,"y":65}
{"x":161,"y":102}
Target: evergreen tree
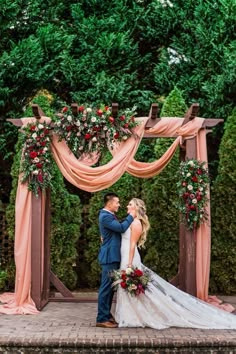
{"x":223,"y":214}
{"x":161,"y":199}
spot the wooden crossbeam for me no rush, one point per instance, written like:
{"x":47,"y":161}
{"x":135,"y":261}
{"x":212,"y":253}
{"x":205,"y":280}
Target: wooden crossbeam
{"x":75,"y":108}
{"x":37,"y":111}
{"x":114,"y":109}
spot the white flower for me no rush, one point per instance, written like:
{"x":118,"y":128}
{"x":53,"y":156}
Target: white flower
{"x":93,"y":119}
{"x":89,"y":109}
{"x":36,"y":160}
{"x":188,"y":174}
{"x":129,"y":270}
{"x":35,"y":172}
{"x":77,"y":123}
{"x":40,"y":126}
{"x":34,"y":136}
{"x":58,"y":124}
{"x":81,"y":148}
{"x":190,"y":187}
{"x":94,"y":139}
{"x":191,"y":163}
{"x":45,"y":149}
{"x":69,"y":118}
{"x":78,"y":134}
{"x":105,"y":128}
{"x":194,"y":201}
{"x":125,"y":137}
{"x":201,"y":189}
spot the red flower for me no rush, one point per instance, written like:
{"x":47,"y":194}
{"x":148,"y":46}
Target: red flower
{"x":64,"y":109}
{"x":192,"y":207}
{"x":123,"y":276}
{"x":138,"y":272}
{"x":43,"y":143}
{"x":123,"y":284}
{"x":184,"y":184}
{"x":122,"y":118}
{"x":69,"y":128}
{"x":199,"y":171}
{"x":116,"y":135}
{"x":185,"y":195}
{"x":39,"y":165}
{"x":99,"y":112}
{"x":111,"y":119}
{"x":87,"y":136}
{"x":106,"y":108}
{"x":81,"y":108}
{"x":46,"y":131}
{"x":194,"y":179}
{"x":126,"y":125}
{"x":40,"y":178}
{"x":33,"y":154}
{"x":32,"y":128}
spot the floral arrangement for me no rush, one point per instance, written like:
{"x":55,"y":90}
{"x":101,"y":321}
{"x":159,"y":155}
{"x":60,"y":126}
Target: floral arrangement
{"x":37,"y":159}
{"x":92,"y":128}
{"x":192,"y":190}
{"x":132,"y":280}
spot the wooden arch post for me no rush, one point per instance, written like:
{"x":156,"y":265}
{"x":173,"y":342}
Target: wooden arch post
{"x":42,"y":274}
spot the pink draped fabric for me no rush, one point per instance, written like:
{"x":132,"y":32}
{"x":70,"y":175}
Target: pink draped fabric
{"x":80,"y":174}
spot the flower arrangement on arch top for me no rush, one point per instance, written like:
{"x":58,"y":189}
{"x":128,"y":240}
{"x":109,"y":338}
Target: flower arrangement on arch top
{"x":133,"y":280}
{"x":192,"y":189}
{"x":37,"y":159}
{"x":93,"y":128}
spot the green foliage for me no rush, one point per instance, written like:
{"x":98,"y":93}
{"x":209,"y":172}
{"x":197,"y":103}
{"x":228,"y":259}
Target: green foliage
{"x":160,"y":196}
{"x":223,"y":210}
{"x":65,"y":211}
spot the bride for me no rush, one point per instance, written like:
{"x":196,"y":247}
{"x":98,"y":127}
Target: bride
{"x":162,"y":305}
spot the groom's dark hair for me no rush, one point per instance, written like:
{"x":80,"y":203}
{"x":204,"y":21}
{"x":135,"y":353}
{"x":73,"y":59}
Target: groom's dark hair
{"x":109,"y":196}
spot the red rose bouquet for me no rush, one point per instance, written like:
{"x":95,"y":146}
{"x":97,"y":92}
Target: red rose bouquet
{"x":133,"y":280}
{"x":37,"y":159}
{"x":192,"y":189}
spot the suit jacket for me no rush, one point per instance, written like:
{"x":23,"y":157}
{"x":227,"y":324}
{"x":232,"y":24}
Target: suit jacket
{"x":111,"y":229}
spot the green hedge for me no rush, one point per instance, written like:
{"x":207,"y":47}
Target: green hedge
{"x":223,"y":214}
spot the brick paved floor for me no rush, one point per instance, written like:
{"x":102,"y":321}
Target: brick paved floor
{"x":60,"y":327}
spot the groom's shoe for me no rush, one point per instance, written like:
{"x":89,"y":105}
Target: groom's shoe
{"x":112,"y":320}
{"x":106,"y":324}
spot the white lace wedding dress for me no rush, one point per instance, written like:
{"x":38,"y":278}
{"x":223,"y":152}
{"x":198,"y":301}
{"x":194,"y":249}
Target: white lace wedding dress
{"x":163,"y":305}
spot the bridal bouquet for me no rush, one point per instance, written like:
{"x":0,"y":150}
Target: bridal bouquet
{"x":133,"y":280}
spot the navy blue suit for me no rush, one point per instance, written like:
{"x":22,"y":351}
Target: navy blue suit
{"x":109,"y":258}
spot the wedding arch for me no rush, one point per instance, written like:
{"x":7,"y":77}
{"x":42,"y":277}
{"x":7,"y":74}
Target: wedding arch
{"x":32,"y":247}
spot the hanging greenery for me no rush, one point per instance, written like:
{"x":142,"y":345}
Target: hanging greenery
{"x":193,"y":194}
{"x":93,"y":128}
{"x":37,"y":158}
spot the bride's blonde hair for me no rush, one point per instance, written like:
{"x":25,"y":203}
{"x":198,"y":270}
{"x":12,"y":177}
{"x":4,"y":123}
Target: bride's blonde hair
{"x":142,"y":216}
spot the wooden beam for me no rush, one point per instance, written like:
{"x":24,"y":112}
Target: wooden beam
{"x":114,"y":109}
{"x":154,"y":111}
{"x":15,"y":121}
{"x":211,"y":122}
{"x":75,"y":108}
{"x":191,"y":113}
{"x":60,"y":286}
{"x":37,"y":111}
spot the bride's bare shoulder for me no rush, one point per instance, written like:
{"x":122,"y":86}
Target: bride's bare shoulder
{"x":136,"y":225}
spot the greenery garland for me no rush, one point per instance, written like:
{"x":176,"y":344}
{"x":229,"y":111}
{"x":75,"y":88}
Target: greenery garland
{"x":37,"y":157}
{"x":192,"y":190}
{"x":92,"y":128}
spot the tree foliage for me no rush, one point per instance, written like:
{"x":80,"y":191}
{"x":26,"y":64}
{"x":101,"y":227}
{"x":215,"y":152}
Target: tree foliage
{"x":223,"y":210}
{"x":161,"y":199}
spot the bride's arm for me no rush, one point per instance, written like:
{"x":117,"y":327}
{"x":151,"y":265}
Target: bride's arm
{"x":136,"y":230}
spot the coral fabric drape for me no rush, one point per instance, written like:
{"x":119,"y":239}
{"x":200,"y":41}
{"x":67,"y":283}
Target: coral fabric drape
{"x":93,"y":179}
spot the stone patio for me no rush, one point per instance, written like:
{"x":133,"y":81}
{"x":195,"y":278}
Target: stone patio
{"x":70,"y":328}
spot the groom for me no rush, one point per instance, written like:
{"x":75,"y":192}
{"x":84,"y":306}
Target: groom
{"x":109,"y":255}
